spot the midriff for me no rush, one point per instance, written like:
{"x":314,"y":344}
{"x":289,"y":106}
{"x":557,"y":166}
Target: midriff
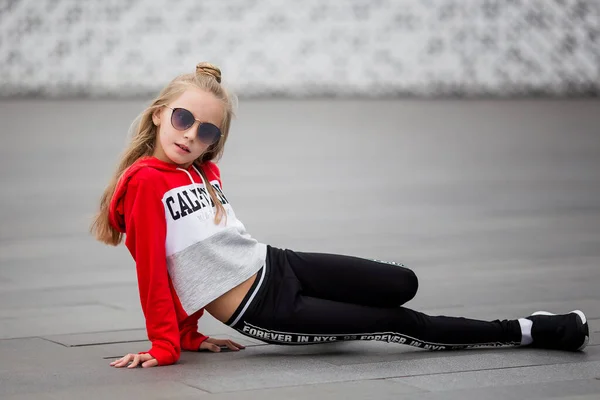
{"x":223,"y":307}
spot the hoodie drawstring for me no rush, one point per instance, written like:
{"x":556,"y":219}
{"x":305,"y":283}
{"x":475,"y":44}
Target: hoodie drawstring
{"x":212,"y":212}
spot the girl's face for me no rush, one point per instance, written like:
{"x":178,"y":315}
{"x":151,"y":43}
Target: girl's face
{"x":183,"y":147}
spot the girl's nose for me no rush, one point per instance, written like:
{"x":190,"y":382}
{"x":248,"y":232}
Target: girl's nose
{"x":190,"y":133}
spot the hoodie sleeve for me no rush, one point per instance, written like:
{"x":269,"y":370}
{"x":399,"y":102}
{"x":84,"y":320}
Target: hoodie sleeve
{"x":191,"y":339}
{"x":145,"y":237}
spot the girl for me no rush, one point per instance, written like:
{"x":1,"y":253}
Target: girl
{"x":193,"y":254}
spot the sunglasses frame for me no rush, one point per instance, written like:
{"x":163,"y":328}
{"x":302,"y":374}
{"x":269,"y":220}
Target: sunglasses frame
{"x":199,"y":125}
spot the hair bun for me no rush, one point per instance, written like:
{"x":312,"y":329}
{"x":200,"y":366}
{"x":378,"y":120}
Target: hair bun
{"x":205,"y":68}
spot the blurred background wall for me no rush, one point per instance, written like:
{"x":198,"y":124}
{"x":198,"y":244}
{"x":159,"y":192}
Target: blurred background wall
{"x":129,"y":48}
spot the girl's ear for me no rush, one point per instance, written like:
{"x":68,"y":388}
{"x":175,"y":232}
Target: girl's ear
{"x":156,"y":117}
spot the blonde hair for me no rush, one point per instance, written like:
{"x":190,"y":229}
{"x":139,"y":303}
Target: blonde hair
{"x":143,"y":141}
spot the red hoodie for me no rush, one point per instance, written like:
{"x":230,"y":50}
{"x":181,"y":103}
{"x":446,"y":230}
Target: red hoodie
{"x":137,"y":210}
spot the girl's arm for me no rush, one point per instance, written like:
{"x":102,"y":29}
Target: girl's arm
{"x":145,"y":238}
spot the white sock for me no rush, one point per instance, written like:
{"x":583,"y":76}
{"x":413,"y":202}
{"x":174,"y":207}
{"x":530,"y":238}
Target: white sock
{"x":526,"y":325}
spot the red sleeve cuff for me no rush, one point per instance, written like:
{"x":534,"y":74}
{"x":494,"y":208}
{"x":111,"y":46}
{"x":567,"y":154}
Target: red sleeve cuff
{"x":196,"y":342}
{"x":162,"y":356}
{"x":202,"y":339}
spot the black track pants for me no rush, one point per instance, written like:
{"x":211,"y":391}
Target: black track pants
{"x":305,"y":298}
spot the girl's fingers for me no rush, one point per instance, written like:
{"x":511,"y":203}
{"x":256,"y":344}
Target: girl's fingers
{"x":145,"y":360}
{"x":215,"y":345}
{"x":150,"y":363}
{"x":135,"y":362}
{"x":116,"y":361}
{"x":210,"y":346}
{"x":223,"y":342}
{"x":232,"y":346}
{"x":239,"y":346}
{"x":123,"y":361}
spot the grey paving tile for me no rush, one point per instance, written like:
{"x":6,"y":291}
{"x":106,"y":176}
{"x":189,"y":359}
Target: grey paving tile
{"x":64,"y":320}
{"x":357,"y":353}
{"x":569,"y":390}
{"x":24,"y":354}
{"x":25,"y":263}
{"x":380,"y":389}
{"x":271,"y":366}
{"x":37,"y":248}
{"x":162,"y":390}
{"x":13,"y":314}
{"x":505,"y":376}
{"x":36,"y":365}
{"x":356,"y":390}
{"x":81,"y":368}
{"x":248,"y":373}
{"x":480,"y":360}
{"x":38,"y":277}
{"x":118,"y":296}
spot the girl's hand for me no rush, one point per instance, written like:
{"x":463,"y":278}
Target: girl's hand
{"x":146,"y":361}
{"x":215,"y":345}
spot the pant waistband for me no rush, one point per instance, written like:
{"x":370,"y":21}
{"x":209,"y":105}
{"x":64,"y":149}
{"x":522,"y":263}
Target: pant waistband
{"x":250,"y":296}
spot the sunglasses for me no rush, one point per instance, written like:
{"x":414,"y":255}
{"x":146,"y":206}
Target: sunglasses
{"x":182,"y":120}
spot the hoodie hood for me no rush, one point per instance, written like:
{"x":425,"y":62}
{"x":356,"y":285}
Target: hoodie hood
{"x":116,"y":209}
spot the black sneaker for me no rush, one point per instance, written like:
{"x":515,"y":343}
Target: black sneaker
{"x":561,"y":332}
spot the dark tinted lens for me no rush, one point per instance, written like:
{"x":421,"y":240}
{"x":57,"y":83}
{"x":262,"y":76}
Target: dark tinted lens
{"x":208,"y":133}
{"x":182,"y":119}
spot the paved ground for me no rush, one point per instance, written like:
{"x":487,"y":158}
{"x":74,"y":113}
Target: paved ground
{"x":495,"y":205}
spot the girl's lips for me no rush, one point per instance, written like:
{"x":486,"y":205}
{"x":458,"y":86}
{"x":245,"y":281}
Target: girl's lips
{"x":182,"y":147}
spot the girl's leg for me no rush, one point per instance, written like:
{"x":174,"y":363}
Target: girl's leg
{"x":306,"y":319}
{"x":277,"y":310}
{"x":350,"y":279}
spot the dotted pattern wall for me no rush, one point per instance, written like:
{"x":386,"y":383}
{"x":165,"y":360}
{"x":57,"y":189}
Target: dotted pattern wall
{"x":310,"y":48}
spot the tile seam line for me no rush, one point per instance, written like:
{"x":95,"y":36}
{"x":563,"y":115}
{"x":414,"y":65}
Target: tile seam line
{"x":51,"y":341}
{"x":195,"y":387}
